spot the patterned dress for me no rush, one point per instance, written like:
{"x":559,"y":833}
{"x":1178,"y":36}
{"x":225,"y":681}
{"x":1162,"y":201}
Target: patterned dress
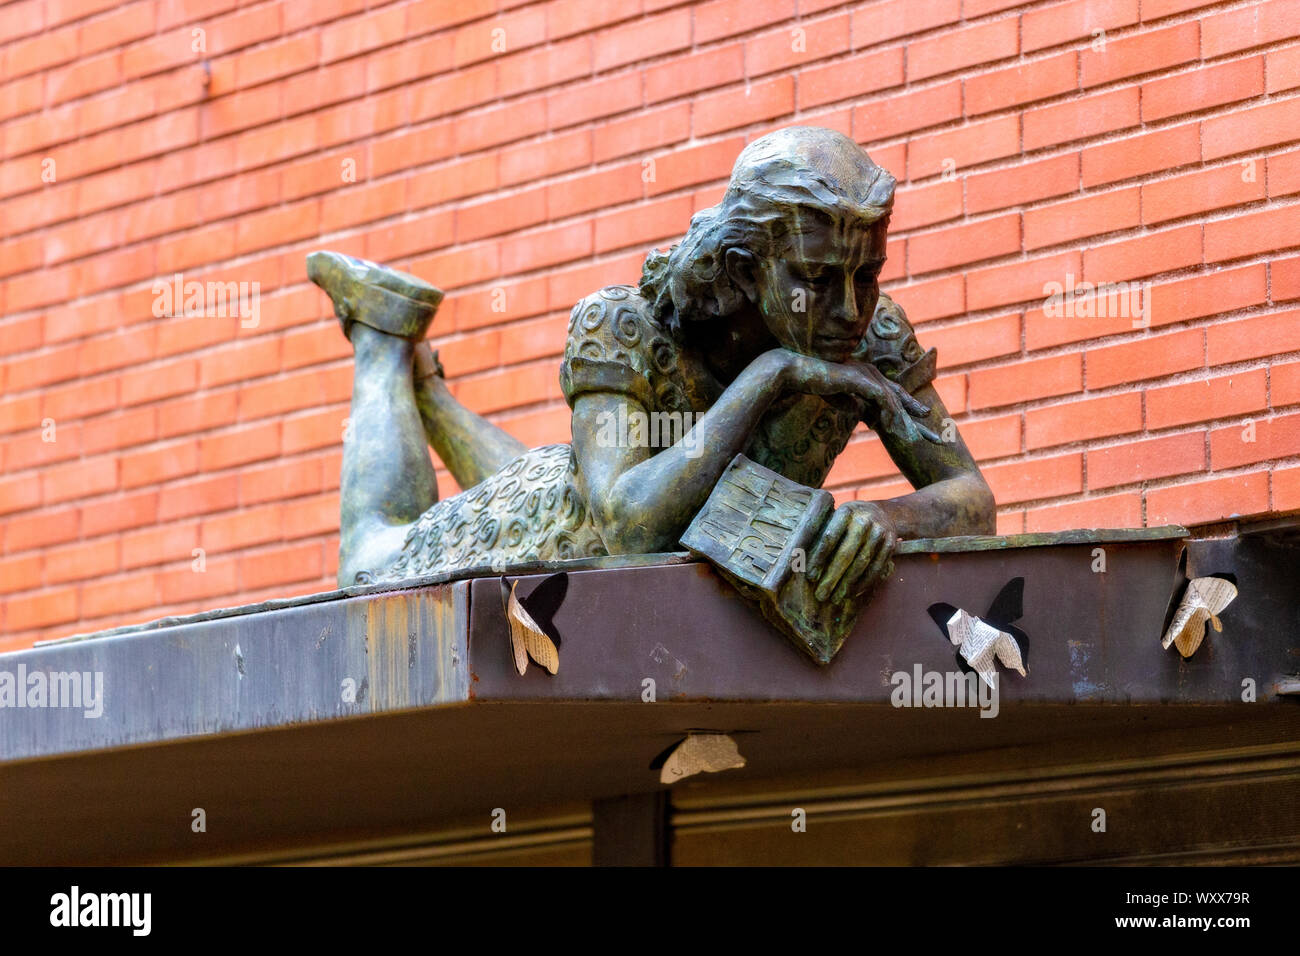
{"x":532,"y":510}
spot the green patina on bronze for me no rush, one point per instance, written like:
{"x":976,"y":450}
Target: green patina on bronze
{"x":763,"y":331}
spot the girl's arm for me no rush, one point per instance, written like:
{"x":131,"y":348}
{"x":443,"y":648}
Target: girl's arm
{"x":643,"y":502}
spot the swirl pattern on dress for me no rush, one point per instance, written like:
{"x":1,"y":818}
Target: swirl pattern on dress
{"x":527,"y":511}
{"x":615,"y":326}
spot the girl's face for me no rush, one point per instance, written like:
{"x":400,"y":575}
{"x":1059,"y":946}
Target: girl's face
{"x":819,"y":296}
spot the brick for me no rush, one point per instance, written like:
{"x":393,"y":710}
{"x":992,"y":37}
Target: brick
{"x":1145,"y":256}
{"x":159,"y":381}
{"x":965,"y":146}
{"x":281,"y":566}
{"x":992,"y":437}
{"x":1286,"y":489}
{"x":1035,"y":479}
{"x":1224,"y":396}
{"x":1249,"y":234}
{"x":588,"y":101}
{"x":57,"y":606}
{"x":1263,"y":439}
{"x":87,"y":559}
{"x":1041,"y":179}
{"x":906,"y":112}
{"x":741,"y":107}
{"x":21,"y":413}
{"x":694,"y":165}
{"x":33,"y":529}
{"x":1253,"y":338}
{"x":1010,"y":522}
{"x":18,"y":493}
{"x":1021,"y":84}
{"x":505,"y":214}
{"x":312,"y":516}
{"x":116,"y":432}
{"x":1146,"y":52}
{"x":1211,"y":294}
{"x":567,"y":17}
{"x":1283,"y":173}
{"x":1199,"y":192}
{"x":281,"y":480}
{"x":239,"y":447}
{"x":1247,"y":130}
{"x":1283,"y":69}
{"x":931,"y":299}
{"x":1080,"y":218}
{"x":1285,"y":385}
{"x":971,"y":45}
{"x":1029,"y":380}
{"x":537,"y":69}
{"x":520,"y":385}
{"x":197,"y":497}
{"x":129,"y":592}
{"x":1083,"y":420}
{"x":1148,"y":357}
{"x":125,"y":511}
{"x":199,"y":413}
{"x":539,"y":159}
{"x":957,"y":245}
{"x":1023,"y":281}
{"x":878,"y":22}
{"x":452,"y":180}
{"x":926,"y":205}
{"x":643,"y":224}
{"x":641,"y":132}
{"x":1105,"y":511}
{"x":231,"y":532}
{"x":74,"y":480}
{"x":1164,"y":149}
{"x":1147,"y":459}
{"x":1202,"y":88}
{"x":155,"y":465}
{"x":850,"y":78}
{"x":22,"y":573}
{"x":724,"y":18}
{"x":1210,"y":500}
{"x":583,"y":193}
{"x":314,"y":430}
{"x":1252,"y":26}
{"x":548,"y":247}
{"x":643,"y":39}
{"x":186,"y":584}
{"x":1077,"y":20}
{"x":1285,"y":279}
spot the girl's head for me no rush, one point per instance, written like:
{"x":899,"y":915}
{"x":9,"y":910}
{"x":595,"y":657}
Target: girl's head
{"x":799,"y":235}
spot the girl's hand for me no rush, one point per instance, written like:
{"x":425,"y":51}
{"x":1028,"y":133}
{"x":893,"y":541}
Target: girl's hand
{"x":852,"y":552}
{"x":897,"y":410}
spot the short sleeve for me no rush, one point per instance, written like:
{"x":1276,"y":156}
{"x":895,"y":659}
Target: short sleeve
{"x":890,"y":344}
{"x":613,"y":345}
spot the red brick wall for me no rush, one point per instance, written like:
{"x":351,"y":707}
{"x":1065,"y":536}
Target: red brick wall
{"x":1029,"y":147}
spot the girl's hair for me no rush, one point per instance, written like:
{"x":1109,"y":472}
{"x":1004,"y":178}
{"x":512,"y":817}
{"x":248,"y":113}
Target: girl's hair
{"x":779,"y":180}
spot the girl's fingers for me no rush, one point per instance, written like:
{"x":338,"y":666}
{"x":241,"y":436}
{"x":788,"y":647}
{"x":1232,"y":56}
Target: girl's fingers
{"x":826,"y":543}
{"x":844,"y":555}
{"x":881,"y":565}
{"x":865,"y":557}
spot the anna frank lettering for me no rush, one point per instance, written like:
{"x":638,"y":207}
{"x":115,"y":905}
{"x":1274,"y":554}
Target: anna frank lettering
{"x":764,"y":328}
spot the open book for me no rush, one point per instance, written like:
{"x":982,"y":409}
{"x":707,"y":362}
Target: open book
{"x":758,"y":529}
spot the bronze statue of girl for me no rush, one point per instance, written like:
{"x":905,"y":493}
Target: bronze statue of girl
{"x":764,"y":328}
